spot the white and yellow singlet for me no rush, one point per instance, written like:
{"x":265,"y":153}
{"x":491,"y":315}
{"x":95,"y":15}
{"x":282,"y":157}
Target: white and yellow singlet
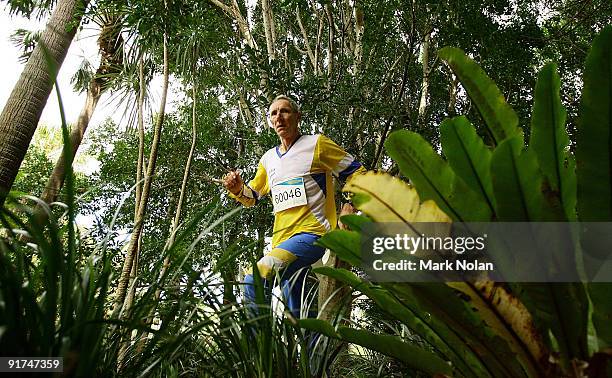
{"x":301,"y":185}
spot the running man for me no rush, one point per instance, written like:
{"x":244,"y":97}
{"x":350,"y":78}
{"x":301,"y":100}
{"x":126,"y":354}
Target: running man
{"x":298,"y":174}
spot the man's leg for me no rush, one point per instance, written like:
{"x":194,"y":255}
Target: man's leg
{"x":274,"y":261}
{"x":288,"y":257}
{"x":250,"y":293}
{"x":293,"y":279}
{"x":295,"y":290}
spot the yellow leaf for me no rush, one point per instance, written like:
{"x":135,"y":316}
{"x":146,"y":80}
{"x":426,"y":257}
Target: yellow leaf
{"x":392,"y":200}
{"x":385,"y":198}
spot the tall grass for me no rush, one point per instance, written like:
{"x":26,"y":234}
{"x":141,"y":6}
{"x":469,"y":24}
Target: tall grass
{"x":56,"y":297}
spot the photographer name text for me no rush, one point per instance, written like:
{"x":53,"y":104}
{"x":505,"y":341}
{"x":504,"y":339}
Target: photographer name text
{"x":429,"y":265}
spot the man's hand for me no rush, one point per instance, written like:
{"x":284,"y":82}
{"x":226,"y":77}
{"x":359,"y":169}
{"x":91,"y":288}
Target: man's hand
{"x":347,"y":208}
{"x":233,"y":182}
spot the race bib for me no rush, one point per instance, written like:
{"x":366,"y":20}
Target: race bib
{"x":289,"y":193}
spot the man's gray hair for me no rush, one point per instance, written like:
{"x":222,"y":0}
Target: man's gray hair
{"x":294,"y":105}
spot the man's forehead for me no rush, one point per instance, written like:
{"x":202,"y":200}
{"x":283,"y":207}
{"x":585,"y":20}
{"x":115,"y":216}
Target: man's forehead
{"x":280,"y":103}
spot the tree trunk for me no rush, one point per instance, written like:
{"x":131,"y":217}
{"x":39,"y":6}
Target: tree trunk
{"x":335,"y":300}
{"x":177,"y":215}
{"x":268,"y":23}
{"x":129,"y":300}
{"x":179,"y":205}
{"x":425,"y":82}
{"x":139,"y":170}
{"x":311,"y":55}
{"x":333,"y":294}
{"x":56,"y":180}
{"x":142,"y":208}
{"x":359,"y":29}
{"x":141,"y":166}
{"x":24,"y":107}
{"x":110,"y":43}
{"x":385,"y":132}
{"x":330,"y":44}
{"x":317,"y":52}
{"x":243,"y":25}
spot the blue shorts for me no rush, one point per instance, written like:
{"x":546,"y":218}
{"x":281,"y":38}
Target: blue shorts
{"x":294,"y":254}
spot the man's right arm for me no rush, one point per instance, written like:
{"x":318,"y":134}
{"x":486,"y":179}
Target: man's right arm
{"x":247,"y":195}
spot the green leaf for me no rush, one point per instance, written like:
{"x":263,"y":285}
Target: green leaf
{"x":434,"y":331}
{"x":433,"y":178}
{"x":450,"y":307}
{"x":388,"y":345}
{"x":594,"y":133}
{"x":393,"y":346}
{"x":345,"y":244}
{"x":594,"y":152}
{"x":549,"y":140}
{"x":355,"y":222}
{"x":562,"y":307}
{"x":602,"y":312}
{"x":318,"y":325}
{"x":569,"y":188}
{"x":500,"y":118}
{"x":518,"y":183}
{"x":343,"y":275}
{"x":468,"y":156}
{"x":501,"y":310}
{"x":386,"y":198}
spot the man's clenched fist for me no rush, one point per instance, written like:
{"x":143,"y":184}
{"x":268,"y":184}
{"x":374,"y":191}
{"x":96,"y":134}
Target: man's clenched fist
{"x":233,"y":182}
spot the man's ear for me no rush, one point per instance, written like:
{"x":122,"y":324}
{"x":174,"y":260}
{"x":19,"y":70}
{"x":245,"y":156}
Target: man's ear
{"x":299,"y":116}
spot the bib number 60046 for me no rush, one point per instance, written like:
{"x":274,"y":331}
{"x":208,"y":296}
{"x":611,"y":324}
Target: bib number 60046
{"x":288,"y":194}
{"x":285,"y":196}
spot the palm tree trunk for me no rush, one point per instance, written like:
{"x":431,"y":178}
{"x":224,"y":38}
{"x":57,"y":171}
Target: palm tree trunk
{"x":56,"y":180}
{"x":110,"y":45}
{"x":24,"y":107}
{"x":139,"y":170}
{"x":142,"y":208}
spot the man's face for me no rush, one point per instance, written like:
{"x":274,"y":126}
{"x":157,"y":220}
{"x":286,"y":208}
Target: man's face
{"x":284,"y":120}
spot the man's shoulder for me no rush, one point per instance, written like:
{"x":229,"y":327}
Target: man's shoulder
{"x":268,"y":154}
{"x":312,"y":137}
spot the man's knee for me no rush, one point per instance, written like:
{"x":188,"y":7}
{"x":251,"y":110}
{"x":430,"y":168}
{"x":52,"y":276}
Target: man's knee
{"x":275,"y":261}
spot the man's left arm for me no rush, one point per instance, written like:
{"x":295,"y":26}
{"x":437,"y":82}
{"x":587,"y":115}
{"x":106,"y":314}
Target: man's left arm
{"x":333,"y":158}
{"x":342,"y":165}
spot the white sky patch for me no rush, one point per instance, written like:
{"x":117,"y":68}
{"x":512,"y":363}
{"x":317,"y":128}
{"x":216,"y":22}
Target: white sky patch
{"x":83,"y":46}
